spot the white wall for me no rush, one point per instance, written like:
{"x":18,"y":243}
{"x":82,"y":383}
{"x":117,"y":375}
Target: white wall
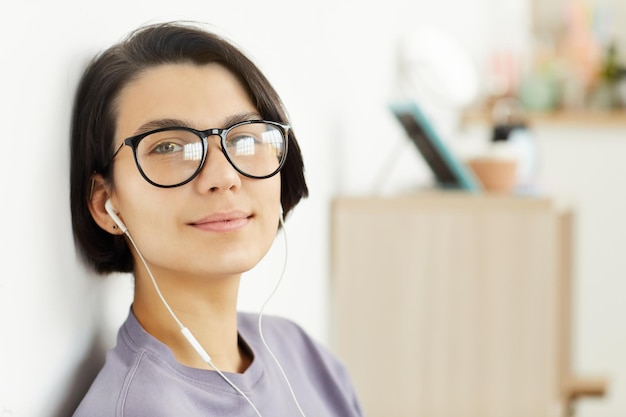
{"x":333,"y":63}
{"x":585,"y":166}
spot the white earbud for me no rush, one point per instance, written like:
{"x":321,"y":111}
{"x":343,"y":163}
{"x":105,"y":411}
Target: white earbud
{"x":108,"y":206}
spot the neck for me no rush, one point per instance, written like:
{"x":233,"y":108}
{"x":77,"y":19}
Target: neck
{"x":207,"y":307}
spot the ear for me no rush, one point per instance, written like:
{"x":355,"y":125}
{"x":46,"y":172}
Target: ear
{"x":100,"y":192}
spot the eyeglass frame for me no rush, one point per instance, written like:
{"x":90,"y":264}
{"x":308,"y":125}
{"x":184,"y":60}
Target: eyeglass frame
{"x":133,"y":143}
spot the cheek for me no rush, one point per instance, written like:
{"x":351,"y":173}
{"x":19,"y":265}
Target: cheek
{"x":136,"y":198}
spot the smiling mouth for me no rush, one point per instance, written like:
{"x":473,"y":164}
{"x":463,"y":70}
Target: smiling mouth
{"x":222,"y":224}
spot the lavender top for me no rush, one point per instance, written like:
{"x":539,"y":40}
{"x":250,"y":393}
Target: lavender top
{"x":142,"y":378}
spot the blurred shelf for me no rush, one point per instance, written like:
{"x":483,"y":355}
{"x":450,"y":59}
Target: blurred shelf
{"x":586,"y":118}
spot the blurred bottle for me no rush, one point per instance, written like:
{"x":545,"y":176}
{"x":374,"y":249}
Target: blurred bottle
{"x":511,"y":137}
{"x":607,"y":93}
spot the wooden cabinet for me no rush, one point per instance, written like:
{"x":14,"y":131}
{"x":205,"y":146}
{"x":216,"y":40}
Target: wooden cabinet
{"x":455,"y":305}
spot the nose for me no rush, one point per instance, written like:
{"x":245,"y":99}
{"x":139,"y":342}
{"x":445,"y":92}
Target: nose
{"x":217,"y":173}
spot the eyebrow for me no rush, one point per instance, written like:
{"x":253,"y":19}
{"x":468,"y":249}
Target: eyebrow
{"x":170,"y":122}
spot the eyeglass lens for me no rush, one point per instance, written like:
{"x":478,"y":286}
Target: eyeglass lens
{"x":172,"y":157}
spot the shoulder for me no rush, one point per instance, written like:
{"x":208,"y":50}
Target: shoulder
{"x":146,"y":386}
{"x":311,"y":366}
{"x":132,"y":365}
{"x":103,"y":397}
{"x":288,"y":340}
{"x":272,"y":327}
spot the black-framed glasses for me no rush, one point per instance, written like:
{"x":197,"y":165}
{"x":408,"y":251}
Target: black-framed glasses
{"x":172,"y":156}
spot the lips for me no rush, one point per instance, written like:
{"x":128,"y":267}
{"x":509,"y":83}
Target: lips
{"x":223,"y":222}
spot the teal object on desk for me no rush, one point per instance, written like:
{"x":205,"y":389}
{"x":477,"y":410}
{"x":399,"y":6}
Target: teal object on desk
{"x":448,"y":170}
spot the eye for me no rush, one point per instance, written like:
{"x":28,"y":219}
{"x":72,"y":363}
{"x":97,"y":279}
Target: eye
{"x":167,"y":143}
{"x":164,"y":148}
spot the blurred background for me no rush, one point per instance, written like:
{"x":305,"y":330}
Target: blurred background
{"x":552,"y":71}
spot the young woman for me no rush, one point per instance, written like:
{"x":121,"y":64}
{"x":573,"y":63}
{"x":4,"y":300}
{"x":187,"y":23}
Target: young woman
{"x":183,"y":165}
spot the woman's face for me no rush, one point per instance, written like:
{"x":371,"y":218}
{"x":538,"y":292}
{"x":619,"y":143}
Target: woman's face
{"x":220,"y":223}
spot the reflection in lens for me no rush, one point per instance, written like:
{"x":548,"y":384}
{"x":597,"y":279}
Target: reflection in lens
{"x":245,"y":146}
{"x":256,"y":149}
{"x":193,"y":151}
{"x":273,"y":137}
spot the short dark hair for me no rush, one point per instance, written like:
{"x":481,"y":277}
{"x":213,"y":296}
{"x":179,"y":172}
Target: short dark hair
{"x":94,"y":121}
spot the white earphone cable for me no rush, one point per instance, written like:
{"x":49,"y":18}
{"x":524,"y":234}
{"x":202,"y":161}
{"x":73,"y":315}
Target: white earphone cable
{"x":186,"y":333}
{"x":280,"y":278}
{"x":200,"y":350}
